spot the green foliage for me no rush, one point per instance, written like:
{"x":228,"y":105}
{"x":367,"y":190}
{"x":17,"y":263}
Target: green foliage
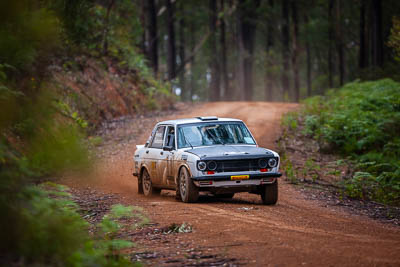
{"x":361,"y":120}
{"x":44,"y":228}
{"x":67,"y":111}
{"x":289,"y":169}
{"x":290,"y":120}
{"x":394,"y":39}
{"x":26,"y":30}
{"x":310,"y":167}
{"x":74,"y":17}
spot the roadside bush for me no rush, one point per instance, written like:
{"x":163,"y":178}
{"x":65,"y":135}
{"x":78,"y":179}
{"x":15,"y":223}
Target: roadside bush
{"x":361,"y":120}
{"x":39,"y":226}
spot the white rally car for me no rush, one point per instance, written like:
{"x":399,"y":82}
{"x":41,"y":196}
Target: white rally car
{"x":217,"y":155}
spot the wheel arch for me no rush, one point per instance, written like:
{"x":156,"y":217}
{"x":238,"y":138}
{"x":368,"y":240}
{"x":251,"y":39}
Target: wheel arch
{"x":183,"y":165}
{"x":143,"y":167}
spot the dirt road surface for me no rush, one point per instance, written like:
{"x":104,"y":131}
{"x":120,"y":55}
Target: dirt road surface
{"x":295,"y":232}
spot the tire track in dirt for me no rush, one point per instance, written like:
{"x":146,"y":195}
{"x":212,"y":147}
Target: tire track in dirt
{"x":271,"y":223}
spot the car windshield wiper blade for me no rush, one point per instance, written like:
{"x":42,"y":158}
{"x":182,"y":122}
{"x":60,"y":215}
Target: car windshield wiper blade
{"x":184,"y":136}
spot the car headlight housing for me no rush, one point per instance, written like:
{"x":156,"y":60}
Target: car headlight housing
{"x":263,"y":163}
{"x":272,"y":162}
{"x":212,"y":165}
{"x":201,"y":165}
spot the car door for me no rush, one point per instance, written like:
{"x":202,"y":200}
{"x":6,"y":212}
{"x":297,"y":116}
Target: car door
{"x":154,"y":155}
{"x":167,"y":158}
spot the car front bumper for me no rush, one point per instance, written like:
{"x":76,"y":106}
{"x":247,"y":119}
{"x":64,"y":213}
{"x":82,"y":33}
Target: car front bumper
{"x":226,"y":180}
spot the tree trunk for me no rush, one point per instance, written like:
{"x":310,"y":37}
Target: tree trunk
{"x":214,"y":89}
{"x":171,"y":54}
{"x":143,"y":22}
{"x":285,"y":48}
{"x":295,"y":52}
{"x":192,"y":60}
{"x":269,"y":77}
{"x":331,"y":40}
{"x":222,"y":40}
{"x":308,"y":55}
{"x":247,"y":26}
{"x":377,"y":37}
{"x":339,"y":42}
{"x":182,"y":80}
{"x":106,"y":27}
{"x":151,"y":34}
{"x":363,"y":52}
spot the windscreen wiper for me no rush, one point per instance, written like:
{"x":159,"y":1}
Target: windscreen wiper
{"x":184,"y":136}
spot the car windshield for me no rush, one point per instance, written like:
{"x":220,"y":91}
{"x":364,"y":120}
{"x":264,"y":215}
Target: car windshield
{"x":207,"y":134}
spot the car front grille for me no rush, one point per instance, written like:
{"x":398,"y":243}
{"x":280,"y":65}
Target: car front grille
{"x":237,"y":165}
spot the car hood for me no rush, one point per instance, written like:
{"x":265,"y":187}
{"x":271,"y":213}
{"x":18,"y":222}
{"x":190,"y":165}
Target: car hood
{"x":230,"y":152}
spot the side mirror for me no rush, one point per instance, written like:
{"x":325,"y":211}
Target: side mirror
{"x":147,"y":144}
{"x":168,"y":148}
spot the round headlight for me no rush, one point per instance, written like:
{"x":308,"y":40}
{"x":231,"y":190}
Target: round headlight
{"x":272,"y":162}
{"x":212,"y":165}
{"x":201,"y":165}
{"x":263,"y":163}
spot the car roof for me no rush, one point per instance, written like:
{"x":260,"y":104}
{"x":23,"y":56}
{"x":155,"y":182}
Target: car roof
{"x":197,"y":120}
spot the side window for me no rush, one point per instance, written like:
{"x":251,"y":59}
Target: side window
{"x":170,"y":137}
{"x":150,"y":137}
{"x":158,"y":137}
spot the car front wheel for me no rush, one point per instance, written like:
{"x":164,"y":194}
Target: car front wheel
{"x":269,"y":193}
{"x":147,"y":185}
{"x":189,"y":192}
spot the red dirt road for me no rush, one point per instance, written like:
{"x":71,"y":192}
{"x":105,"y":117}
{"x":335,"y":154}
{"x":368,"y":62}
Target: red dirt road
{"x":295,"y":232}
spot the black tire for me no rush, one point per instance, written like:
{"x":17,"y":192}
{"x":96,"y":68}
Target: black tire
{"x":188,"y":191}
{"x":269,"y":193}
{"x":147,"y":186}
{"x":177,"y":191}
{"x":226,"y":195}
{"x":139,"y":185}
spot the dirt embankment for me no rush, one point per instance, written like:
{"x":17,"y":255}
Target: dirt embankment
{"x":297,"y":231}
{"x":100,"y":89}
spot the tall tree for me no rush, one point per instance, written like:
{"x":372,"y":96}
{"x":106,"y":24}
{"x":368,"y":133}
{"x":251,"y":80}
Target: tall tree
{"x":107,"y":26}
{"x":247,"y":12}
{"x":182,"y":47}
{"x":295,"y":52}
{"x":377,"y":35}
{"x":340,"y":42}
{"x":192,"y":62}
{"x":285,"y":48}
{"x":214,"y":89}
{"x":171,"y":53}
{"x":151,"y":34}
{"x":331,"y":37}
{"x":308,"y":56}
{"x":363,"y":52}
{"x":269,"y":77}
{"x":222,"y":41}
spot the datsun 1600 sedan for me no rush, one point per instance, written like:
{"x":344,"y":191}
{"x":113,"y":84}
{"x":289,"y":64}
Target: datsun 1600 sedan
{"x":217,"y":155}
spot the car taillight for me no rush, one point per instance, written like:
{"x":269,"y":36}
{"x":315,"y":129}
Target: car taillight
{"x":263,"y":170}
{"x":210,"y":172}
